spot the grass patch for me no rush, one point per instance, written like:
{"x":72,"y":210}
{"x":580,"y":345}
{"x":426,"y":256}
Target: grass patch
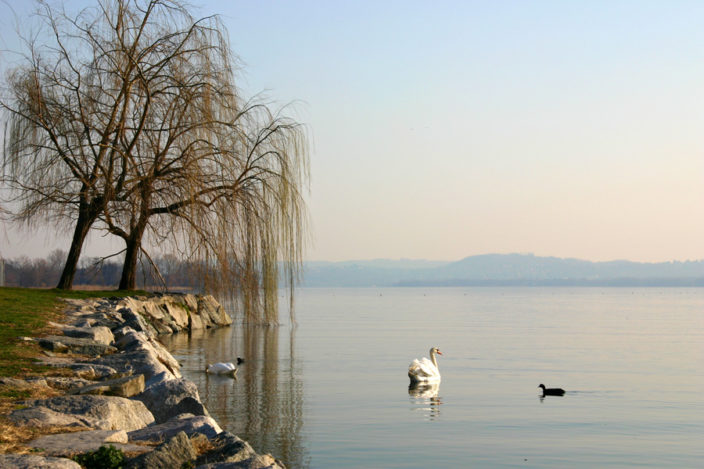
{"x":106,"y":457}
{"x":25,"y":312}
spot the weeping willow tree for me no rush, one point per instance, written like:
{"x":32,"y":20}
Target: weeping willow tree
{"x":134,"y":125}
{"x":67,"y":104}
{"x":242,"y":217}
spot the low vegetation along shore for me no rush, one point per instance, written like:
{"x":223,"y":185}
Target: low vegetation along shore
{"x":84,"y":382}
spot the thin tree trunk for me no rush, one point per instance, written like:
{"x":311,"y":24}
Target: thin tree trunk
{"x":86,"y":217}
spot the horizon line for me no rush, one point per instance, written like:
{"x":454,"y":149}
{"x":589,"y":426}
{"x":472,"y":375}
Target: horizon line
{"x":526,"y":254}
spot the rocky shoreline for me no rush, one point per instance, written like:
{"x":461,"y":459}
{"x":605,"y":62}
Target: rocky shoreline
{"x":127,"y":390}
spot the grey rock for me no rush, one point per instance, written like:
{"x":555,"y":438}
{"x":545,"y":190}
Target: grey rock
{"x":195,"y":322}
{"x":110,"y":320}
{"x":127,"y":337}
{"x":177,"y":311}
{"x":39,"y":417}
{"x":67,"y":384}
{"x":137,"y":322}
{"x":65,"y":444}
{"x":100,"y":334}
{"x":208,"y":307}
{"x":127,"y":386}
{"x":173,"y":453}
{"x":259,"y":461}
{"x":113,"y":413}
{"x":56,"y":343}
{"x":227,"y":448}
{"x":159,"y":317}
{"x":130,"y":340}
{"x":33,"y":461}
{"x":153,"y":313}
{"x":85,"y":370}
{"x":23,"y":384}
{"x":190,"y":424}
{"x":172,"y":397}
{"x":51,"y":345}
{"x":159,"y":378}
{"x":93,"y":370}
{"x":191,"y":301}
{"x":137,"y":362}
{"x":85,"y":322}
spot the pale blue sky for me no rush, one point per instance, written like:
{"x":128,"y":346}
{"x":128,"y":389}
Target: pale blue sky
{"x":446,"y":129}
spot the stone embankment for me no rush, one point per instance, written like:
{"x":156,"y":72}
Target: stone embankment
{"x":127,"y":390}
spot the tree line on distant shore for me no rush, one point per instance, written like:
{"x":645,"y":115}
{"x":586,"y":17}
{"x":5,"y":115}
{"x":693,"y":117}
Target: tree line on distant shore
{"x":173,"y":273}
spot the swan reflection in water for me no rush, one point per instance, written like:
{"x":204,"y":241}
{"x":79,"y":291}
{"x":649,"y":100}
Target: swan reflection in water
{"x":425,"y":397}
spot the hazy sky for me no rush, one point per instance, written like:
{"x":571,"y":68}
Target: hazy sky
{"x":446,"y":129}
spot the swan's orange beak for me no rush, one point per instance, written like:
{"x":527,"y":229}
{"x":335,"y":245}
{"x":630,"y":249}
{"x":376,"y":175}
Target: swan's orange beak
{"x":439,"y":352}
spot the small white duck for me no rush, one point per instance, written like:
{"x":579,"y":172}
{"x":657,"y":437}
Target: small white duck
{"x":424,"y":370}
{"x":222,"y":369}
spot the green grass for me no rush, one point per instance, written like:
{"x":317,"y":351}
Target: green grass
{"x":25,"y":312}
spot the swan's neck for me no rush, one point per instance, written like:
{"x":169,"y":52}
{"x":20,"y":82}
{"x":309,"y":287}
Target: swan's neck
{"x":432,"y":358}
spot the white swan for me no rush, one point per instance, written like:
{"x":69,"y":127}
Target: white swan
{"x":424,"y":370}
{"x":222,"y":369}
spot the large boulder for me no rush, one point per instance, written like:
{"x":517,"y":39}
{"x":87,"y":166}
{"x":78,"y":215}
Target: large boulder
{"x":92,"y":370}
{"x":33,"y":461}
{"x":126,"y":386}
{"x":177,"y":311}
{"x":173,"y":453}
{"x":137,"y":322}
{"x":43,"y":417}
{"x":212,"y":312}
{"x":227,"y":448}
{"x":137,"y":362}
{"x":23,"y":384}
{"x":152,"y":313}
{"x":195,"y":322}
{"x":129,"y":340}
{"x":64,"y":383}
{"x":100,"y":334}
{"x":93,"y":314}
{"x":188,"y":423}
{"x":60,"y":343}
{"x":155,"y":311}
{"x":172,"y":397}
{"x":108,"y":412}
{"x":230,"y":452}
{"x":258,"y":461}
{"x":82,"y":369}
{"x":66,"y":444}
{"x":191,"y":301}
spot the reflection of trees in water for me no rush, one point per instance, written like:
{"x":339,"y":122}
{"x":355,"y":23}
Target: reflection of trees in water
{"x":265,"y":404}
{"x":274,"y":394}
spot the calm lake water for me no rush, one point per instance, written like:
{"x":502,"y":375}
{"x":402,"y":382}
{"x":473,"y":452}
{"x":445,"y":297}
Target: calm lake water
{"x":333,"y":391}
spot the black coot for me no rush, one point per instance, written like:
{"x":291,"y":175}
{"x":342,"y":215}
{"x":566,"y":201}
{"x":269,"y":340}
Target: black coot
{"x":552,"y":391}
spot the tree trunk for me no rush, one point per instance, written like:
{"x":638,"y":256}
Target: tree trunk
{"x":86,"y":217}
{"x":128,"y":280}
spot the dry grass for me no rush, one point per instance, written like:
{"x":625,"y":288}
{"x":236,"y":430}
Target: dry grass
{"x":201,"y":444}
{"x":13,"y":438}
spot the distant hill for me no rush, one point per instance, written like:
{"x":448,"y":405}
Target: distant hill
{"x":502,"y":269}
